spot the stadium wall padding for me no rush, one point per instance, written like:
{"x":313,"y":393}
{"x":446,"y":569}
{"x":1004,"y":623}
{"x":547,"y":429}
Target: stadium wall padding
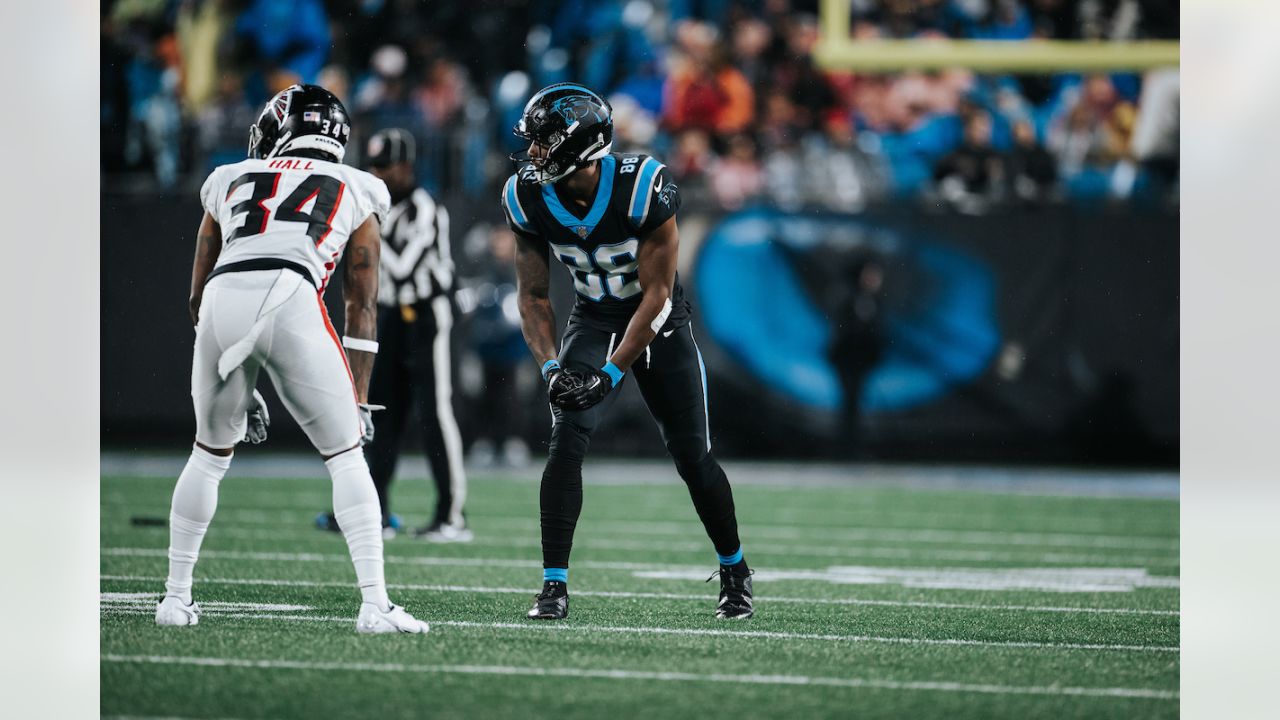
{"x":1045,"y":334}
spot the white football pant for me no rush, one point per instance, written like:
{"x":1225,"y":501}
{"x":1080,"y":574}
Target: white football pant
{"x":271,"y":319}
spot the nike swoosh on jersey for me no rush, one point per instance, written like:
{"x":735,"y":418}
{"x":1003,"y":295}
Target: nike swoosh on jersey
{"x":668,"y":333}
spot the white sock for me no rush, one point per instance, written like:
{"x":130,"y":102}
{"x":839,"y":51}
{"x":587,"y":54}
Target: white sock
{"x":195,"y":497}
{"x":355,"y":506}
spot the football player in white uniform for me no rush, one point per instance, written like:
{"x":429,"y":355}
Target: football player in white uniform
{"x":273,"y":230}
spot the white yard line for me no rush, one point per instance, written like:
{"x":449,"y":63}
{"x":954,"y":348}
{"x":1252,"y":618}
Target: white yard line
{"x":766,"y":600}
{"x":769,"y":549}
{"x":691,"y":632}
{"x":806,"y":533}
{"x":618,"y":674}
{"x":1065,"y":579}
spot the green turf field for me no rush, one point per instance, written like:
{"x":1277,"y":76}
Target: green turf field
{"x":871,"y":602}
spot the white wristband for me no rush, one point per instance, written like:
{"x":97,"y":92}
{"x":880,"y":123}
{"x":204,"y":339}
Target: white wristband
{"x":661,"y":319}
{"x":369,"y":346}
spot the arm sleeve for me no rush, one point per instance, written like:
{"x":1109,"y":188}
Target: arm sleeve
{"x":656,"y":199}
{"x":513,"y":209}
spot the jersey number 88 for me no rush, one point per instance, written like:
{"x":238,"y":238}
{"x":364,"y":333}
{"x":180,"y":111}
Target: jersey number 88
{"x":604,"y":270}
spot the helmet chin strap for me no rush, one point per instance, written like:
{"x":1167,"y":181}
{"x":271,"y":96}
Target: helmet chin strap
{"x":279,"y":146}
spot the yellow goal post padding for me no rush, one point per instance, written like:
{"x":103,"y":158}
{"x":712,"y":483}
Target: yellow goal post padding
{"x":837,"y":51}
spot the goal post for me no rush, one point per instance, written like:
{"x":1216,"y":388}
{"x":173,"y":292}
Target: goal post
{"x":836,"y":50}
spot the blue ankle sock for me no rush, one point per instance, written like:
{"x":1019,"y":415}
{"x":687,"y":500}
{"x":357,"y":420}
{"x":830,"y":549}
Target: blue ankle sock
{"x":555,"y":574}
{"x":733,"y":561}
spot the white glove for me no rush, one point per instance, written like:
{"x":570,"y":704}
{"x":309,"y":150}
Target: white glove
{"x":366,"y":421}
{"x":258,"y":420}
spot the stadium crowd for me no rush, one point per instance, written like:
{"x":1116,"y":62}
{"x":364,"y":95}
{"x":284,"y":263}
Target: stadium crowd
{"x":725,"y":91}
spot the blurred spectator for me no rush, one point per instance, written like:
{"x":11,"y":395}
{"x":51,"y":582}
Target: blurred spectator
{"x":1154,"y":144}
{"x":969,"y":177}
{"x":442,"y":93}
{"x":737,"y":177}
{"x":692,"y":157}
{"x":221,"y":125}
{"x":496,"y":336}
{"x":704,"y":91}
{"x":1033,"y":174}
{"x":286,"y":41}
{"x":841,"y":175}
{"x":1090,"y":134}
{"x":687,"y":79}
{"x":152,"y":81}
{"x":795,"y":76}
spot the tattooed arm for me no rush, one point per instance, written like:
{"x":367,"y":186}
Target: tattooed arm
{"x":208,"y":247}
{"x":533,"y":277}
{"x":360,"y":291}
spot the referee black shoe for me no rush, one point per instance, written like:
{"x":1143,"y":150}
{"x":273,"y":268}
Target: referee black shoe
{"x":552,"y":603}
{"x":735,"y":594}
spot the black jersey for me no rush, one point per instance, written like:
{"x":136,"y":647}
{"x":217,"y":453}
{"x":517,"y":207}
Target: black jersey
{"x":633,"y":197}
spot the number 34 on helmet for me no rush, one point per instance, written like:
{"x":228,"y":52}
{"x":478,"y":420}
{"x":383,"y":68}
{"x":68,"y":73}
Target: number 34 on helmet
{"x":301,"y":120}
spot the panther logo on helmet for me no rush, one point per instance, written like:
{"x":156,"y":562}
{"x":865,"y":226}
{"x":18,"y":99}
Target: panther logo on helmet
{"x":572,"y":126}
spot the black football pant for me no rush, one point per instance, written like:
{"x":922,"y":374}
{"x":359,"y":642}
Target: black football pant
{"x":414,"y":369}
{"x":672,"y":382}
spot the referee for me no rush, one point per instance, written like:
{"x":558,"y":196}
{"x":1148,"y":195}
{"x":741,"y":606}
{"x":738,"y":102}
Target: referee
{"x":415,"y":315}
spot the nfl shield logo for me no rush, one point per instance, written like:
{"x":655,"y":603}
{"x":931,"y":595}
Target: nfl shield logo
{"x":582,"y":231}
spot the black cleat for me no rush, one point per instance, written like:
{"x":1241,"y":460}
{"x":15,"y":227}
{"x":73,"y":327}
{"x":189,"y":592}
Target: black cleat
{"x":326,"y":521}
{"x":735,"y":594}
{"x":552,"y":603}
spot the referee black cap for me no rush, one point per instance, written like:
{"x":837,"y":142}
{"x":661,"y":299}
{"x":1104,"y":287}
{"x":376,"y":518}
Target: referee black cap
{"x":391,"y":146}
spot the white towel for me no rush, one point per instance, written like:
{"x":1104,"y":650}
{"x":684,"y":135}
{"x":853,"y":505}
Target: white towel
{"x":284,"y":287}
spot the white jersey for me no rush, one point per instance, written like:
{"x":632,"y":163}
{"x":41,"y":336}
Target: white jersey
{"x":299,"y":210}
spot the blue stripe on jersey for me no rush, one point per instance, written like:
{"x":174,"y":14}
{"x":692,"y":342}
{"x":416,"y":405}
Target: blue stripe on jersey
{"x":640,"y":198}
{"x":513,"y":206}
{"x":604,"y":191}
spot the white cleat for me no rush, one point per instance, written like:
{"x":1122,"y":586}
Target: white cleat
{"x":373,"y":620}
{"x":172,"y":611}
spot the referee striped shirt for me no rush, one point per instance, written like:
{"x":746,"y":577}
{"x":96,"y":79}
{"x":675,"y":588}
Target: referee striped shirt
{"x":417,"y":263}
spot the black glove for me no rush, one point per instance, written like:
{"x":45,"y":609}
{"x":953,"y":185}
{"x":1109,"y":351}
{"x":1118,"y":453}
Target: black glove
{"x":595,"y":385}
{"x":366,"y":421}
{"x":561,"y":383}
{"x":258,"y":420}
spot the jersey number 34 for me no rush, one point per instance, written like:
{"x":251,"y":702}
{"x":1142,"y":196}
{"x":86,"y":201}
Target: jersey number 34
{"x":324,"y":189}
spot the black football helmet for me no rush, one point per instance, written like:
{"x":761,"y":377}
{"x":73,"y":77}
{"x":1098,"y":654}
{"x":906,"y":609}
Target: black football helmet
{"x":301,"y":120}
{"x":572,"y":123}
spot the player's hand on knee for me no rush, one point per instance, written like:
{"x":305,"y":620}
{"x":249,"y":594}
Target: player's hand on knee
{"x":258,"y":420}
{"x":366,"y":421}
{"x":560,"y":382}
{"x":595,"y":386}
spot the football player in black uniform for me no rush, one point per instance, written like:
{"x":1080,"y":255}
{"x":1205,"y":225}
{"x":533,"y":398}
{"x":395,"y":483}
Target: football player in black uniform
{"x":610,"y":217}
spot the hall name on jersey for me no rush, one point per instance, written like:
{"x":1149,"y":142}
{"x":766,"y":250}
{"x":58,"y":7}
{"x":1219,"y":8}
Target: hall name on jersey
{"x":290,"y":164}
